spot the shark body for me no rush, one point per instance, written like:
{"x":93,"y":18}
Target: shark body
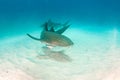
{"x":52,"y":37}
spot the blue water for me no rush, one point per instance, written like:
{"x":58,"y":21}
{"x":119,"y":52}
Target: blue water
{"x":21,"y":16}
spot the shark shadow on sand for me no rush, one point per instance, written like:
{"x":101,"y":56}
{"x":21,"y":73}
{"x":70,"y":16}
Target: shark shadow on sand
{"x":59,"y":56}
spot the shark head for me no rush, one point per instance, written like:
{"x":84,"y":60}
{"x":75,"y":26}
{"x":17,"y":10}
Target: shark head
{"x":52,"y":37}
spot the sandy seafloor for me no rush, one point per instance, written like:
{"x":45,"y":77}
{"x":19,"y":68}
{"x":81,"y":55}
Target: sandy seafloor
{"x":95,"y":56}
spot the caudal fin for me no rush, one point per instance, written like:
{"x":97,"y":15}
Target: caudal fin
{"x":33,"y":37}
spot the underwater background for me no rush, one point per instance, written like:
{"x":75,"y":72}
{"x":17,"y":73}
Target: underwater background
{"x":95,"y":31}
{"x":27,"y":15}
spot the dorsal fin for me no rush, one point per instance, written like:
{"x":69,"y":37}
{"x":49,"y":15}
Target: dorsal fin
{"x":60,"y":31}
{"x":52,"y":29}
{"x":46,"y":26}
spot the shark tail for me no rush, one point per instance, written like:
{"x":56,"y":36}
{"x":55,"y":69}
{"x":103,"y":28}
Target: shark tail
{"x":33,"y":37}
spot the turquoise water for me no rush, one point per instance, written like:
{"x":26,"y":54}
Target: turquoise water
{"x":95,"y":31}
{"x":20,"y":16}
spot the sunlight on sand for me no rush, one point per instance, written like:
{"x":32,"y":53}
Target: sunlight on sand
{"x":93,"y":58}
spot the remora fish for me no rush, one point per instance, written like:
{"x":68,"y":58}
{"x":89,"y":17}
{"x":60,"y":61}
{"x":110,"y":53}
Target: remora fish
{"x":52,"y":37}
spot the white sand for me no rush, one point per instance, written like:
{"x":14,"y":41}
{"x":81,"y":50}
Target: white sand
{"x":94,"y":58}
{"x":9,"y":72}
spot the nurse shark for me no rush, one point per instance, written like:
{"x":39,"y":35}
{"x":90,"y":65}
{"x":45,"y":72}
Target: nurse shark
{"x":54,"y":37}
